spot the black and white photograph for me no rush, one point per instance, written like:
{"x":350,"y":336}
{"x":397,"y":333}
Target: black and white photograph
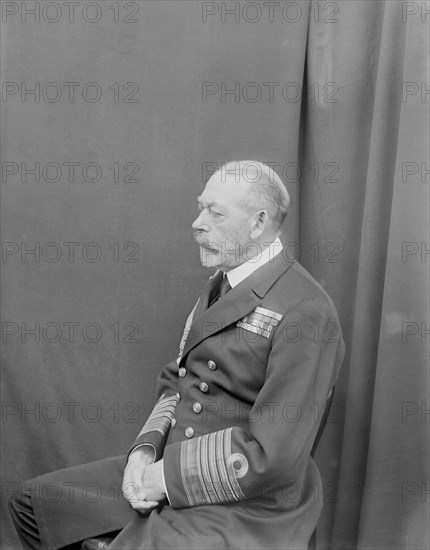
{"x":215,"y":274}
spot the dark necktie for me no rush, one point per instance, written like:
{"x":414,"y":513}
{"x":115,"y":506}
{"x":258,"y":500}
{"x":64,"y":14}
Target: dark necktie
{"x":224,"y":287}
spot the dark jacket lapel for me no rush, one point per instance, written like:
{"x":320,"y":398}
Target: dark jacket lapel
{"x":237,"y":303}
{"x":207,"y":293}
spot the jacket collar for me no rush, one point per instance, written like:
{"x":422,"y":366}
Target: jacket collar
{"x":237,"y":303}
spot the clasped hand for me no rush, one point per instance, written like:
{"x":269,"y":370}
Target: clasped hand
{"x":143,"y":480}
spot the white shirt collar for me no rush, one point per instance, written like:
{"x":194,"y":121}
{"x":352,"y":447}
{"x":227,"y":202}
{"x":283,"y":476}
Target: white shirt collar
{"x":241,"y":272}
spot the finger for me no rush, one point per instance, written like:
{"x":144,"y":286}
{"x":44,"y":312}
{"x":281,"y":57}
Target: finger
{"x":135,"y":498}
{"x":133,"y":492}
{"x":144,"y":505}
{"x":129,"y":489}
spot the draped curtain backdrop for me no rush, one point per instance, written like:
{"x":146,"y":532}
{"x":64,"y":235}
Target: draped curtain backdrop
{"x":335,"y":94}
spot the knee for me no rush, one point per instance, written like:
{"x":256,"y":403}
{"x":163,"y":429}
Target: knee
{"x":20,"y":502}
{"x":15,"y":503}
{"x":16,"y":508}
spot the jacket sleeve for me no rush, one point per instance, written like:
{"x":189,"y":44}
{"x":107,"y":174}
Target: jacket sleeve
{"x":233,"y":463}
{"x":156,"y":429}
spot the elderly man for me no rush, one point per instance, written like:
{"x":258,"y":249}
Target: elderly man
{"x":223,"y":460}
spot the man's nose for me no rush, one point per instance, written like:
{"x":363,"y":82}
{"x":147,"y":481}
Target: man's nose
{"x":199,"y":222}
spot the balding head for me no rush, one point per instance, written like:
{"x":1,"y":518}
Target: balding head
{"x":266,"y":189}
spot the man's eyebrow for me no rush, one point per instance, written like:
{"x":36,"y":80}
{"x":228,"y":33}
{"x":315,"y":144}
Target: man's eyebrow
{"x":209,"y":203}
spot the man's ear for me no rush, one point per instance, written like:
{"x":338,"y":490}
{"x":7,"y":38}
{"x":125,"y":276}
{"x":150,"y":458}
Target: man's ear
{"x":259,"y":223}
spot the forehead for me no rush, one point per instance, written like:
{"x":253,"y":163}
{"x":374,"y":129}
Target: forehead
{"x":224,"y":189}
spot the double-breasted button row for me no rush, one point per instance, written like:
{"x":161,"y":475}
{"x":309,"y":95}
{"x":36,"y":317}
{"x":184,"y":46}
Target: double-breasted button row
{"x":189,"y":432}
{"x":183,"y":371}
{"x":211,"y":365}
{"x":197,"y":407}
{"x":203,"y":387}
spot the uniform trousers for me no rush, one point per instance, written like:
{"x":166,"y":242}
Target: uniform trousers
{"x":21,"y":510}
{"x":62,"y":508}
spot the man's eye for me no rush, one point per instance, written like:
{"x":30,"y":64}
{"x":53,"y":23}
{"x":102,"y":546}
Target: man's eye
{"x":215,"y":214}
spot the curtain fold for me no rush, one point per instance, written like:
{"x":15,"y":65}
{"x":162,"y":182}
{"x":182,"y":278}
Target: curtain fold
{"x":395,"y":504}
{"x":369,"y":54}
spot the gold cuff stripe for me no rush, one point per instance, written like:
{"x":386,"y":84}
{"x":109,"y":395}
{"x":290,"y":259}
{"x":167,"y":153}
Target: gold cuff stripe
{"x":207,"y":471}
{"x":161,"y":416}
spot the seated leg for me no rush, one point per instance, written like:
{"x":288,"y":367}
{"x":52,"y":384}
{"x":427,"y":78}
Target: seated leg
{"x":21,"y":511}
{"x":67,"y":506}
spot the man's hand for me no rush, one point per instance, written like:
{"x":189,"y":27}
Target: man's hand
{"x":132,"y":485}
{"x":153,"y":485}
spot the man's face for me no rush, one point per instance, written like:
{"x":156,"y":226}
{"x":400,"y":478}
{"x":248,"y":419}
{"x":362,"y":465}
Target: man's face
{"x":223,"y":227}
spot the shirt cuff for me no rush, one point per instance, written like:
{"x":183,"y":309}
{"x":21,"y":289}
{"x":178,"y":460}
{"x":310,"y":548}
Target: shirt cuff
{"x":144,"y":445}
{"x":164,"y":482}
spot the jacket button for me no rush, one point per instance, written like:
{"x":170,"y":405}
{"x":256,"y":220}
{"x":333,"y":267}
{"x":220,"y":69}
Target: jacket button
{"x":197,"y":408}
{"x":203,"y":387}
{"x":211,"y":364}
{"x":173,"y":422}
{"x":182,"y":372}
{"x":189,"y":432}
{"x":178,"y":396}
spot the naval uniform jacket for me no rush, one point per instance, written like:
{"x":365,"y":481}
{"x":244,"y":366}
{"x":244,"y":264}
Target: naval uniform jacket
{"x":237,"y":414}
{"x":235,"y":419}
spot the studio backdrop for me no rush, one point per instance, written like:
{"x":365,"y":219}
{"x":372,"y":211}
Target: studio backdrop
{"x":114,"y":115}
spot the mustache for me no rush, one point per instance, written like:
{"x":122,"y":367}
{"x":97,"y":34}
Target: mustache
{"x":203,"y":241}
{"x":199,"y":237}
